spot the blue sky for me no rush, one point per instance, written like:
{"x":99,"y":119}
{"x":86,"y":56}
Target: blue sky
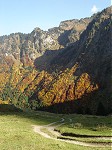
{"x":24,"y":15}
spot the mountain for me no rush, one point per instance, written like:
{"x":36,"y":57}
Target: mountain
{"x":65,"y":69}
{"x":89,"y":62}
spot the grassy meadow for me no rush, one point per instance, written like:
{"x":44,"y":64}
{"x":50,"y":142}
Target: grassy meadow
{"x":16,"y":131}
{"x":86,"y":126}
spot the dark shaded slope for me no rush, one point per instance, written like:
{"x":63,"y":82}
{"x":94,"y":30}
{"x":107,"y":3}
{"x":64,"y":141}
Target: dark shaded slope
{"x":92,"y":52}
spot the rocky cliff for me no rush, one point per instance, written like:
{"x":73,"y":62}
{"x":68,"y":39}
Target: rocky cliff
{"x":38,"y":41}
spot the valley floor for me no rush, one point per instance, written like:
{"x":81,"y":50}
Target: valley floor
{"x":17,"y":131}
{"x":48,"y":131}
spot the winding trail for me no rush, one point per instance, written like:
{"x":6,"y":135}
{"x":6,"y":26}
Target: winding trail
{"x":50,"y":128}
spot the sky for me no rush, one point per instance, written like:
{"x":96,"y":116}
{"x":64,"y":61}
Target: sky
{"x":25,"y":15}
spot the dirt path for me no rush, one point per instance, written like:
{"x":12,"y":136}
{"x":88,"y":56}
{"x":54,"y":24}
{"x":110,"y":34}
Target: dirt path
{"x":50,"y":128}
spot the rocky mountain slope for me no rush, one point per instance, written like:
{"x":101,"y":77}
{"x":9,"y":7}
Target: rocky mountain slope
{"x":65,"y":69}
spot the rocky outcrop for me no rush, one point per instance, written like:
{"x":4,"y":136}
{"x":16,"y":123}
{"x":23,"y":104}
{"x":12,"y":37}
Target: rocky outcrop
{"x":38,"y":41}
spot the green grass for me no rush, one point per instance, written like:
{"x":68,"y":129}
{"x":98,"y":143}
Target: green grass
{"x":84,"y":132}
{"x":91,"y":140}
{"x":16,"y":132}
{"x":86,"y":126}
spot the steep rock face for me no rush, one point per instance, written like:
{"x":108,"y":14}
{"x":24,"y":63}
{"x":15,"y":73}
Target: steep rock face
{"x":76,"y":27}
{"x":38,"y":41}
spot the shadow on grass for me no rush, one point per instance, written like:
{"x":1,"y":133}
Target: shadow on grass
{"x":33,"y":116}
